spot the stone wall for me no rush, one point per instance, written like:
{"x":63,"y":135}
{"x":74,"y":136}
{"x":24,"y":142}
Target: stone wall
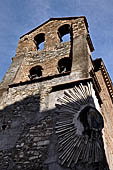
{"x":107,"y":110}
{"x":27,"y":124}
{"x":24,"y":130}
{"x":27,"y":115}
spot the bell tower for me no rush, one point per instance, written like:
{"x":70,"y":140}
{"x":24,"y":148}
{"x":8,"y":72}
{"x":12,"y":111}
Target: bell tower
{"x":60,"y":45}
{"x":48,"y":95}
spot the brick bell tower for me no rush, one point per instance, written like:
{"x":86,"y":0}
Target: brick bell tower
{"x":56,"y":102}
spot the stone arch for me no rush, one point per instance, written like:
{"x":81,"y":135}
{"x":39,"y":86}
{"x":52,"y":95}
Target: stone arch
{"x":35,"y":72}
{"x":39,"y":41}
{"x":64,"y":33}
{"x":64,"y":65}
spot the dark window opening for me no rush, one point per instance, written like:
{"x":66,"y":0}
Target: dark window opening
{"x":35,"y":72}
{"x":64,"y":65}
{"x":4,"y":126}
{"x":64,"y":33}
{"x":39,"y":41}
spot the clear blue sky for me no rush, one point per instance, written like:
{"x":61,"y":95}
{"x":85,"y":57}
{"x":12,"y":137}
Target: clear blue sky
{"x":17,"y":17}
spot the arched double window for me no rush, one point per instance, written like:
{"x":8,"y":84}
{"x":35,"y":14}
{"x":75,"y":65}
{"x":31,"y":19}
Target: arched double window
{"x":64,"y":33}
{"x":39,"y":41}
{"x":35,"y":72}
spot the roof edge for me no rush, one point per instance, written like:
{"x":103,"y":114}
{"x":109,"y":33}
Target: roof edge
{"x":62,"y":18}
{"x":99,"y":65}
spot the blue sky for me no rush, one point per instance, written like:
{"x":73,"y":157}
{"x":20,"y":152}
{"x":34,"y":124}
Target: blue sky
{"x":17,"y":17}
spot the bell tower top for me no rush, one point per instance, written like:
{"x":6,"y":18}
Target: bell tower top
{"x":59,"y":45}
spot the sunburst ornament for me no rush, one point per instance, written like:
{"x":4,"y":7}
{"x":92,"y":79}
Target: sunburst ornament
{"x":78,"y":127}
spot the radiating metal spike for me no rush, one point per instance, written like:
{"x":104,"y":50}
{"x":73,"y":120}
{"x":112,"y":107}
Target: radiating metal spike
{"x":78,"y":99}
{"x":90,"y":85}
{"x":66,"y":149}
{"x":62,"y":101}
{"x":67,"y":93}
{"x":88,"y":151}
{"x":67,"y":144}
{"x":68,"y":107}
{"x":64,"y":122}
{"x":65,"y":125}
{"x":71,"y":146}
{"x":78,"y":152}
{"x":70,"y":158}
{"x":69,"y":100}
{"x":83,"y":90}
{"x":63,"y":130}
{"x":65,"y":133}
{"x":81,"y":94}
{"x":84,"y":94}
{"x":71,"y":135}
{"x":74,"y":97}
{"x":84,"y":152}
{"x":66,"y":156}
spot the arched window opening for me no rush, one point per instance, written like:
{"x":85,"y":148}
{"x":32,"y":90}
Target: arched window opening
{"x":35,"y":72}
{"x":39,"y":41}
{"x":64,"y":65}
{"x":64,"y":33}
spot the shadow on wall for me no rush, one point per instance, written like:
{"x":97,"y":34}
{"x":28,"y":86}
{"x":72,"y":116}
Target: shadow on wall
{"x":30,"y":139}
{"x":18,"y":129}
{"x":15,"y":117}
